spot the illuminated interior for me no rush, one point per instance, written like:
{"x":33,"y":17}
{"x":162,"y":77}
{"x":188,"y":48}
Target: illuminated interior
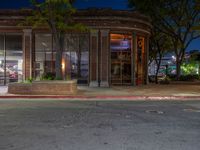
{"x":120,"y":45}
{"x":75,"y":57}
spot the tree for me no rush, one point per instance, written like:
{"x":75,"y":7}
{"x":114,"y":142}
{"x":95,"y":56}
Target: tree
{"x":57,"y":16}
{"x":192,"y":65}
{"x":159,"y":45}
{"x":78,"y":43}
{"x":176,"y":19}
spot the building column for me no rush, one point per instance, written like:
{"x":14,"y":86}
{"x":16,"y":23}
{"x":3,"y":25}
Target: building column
{"x":147,"y":60}
{"x":134,"y":59}
{"x":104,"y":63}
{"x":27,"y":54}
{"x":93,"y":56}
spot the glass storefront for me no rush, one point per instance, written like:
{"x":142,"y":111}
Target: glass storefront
{"x":44,"y":60}
{"x":11,"y":58}
{"x":77,"y":57}
{"x":74,"y":61}
{"x":120,"y":59}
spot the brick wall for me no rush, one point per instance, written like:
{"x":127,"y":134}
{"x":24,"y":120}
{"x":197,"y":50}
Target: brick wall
{"x":27,"y":53}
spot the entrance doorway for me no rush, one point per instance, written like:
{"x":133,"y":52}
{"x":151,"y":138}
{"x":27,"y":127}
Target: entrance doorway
{"x":120,"y":46}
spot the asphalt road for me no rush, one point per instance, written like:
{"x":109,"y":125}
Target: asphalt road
{"x":111,"y":125}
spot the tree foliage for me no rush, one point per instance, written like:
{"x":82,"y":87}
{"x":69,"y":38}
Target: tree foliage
{"x":175,"y":18}
{"x":159,"y":45}
{"x":57,"y":16}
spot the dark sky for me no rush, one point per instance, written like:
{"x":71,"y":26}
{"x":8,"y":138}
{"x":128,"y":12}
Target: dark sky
{"x":80,"y":4}
{"x":83,"y":4}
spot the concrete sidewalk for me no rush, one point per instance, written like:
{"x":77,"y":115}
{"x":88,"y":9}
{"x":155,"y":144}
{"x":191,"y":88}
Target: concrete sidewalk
{"x":144,"y":90}
{"x":176,"y":90}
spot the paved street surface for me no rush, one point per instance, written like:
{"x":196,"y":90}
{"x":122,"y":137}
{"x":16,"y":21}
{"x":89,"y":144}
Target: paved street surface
{"x":95,"y":125}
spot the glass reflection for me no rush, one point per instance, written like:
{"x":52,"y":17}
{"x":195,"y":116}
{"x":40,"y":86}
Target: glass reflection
{"x":10,"y":58}
{"x":44,"y":62}
{"x":74,"y":60}
{"x":77,"y":46}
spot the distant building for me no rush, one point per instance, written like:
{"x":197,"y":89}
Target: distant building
{"x":167,"y":62}
{"x":115,"y":52}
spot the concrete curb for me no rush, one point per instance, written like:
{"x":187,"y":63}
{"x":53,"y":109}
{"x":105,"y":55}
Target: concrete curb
{"x":99,"y":97}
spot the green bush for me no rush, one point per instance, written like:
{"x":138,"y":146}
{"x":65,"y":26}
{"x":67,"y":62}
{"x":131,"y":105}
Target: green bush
{"x":29,"y":80}
{"x":189,"y":68}
{"x":48,"y":76}
{"x":166,"y":80}
{"x":189,"y":77}
{"x":172,"y":77}
{"x":185,"y":77}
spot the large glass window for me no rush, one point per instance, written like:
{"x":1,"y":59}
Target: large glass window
{"x":120,"y":46}
{"x":44,"y":61}
{"x":75,"y":56}
{"x":10,"y":58}
{"x":2,"y":60}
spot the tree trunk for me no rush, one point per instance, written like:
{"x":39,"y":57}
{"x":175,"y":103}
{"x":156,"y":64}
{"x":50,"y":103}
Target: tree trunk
{"x":157,"y":70}
{"x":58,"y":65}
{"x":79,"y":64}
{"x":178,"y":69}
{"x":59,"y":40}
{"x":79,"y":59}
{"x":156,"y":77}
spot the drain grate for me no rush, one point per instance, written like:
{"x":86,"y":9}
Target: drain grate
{"x":191,"y":110}
{"x":154,"y":111}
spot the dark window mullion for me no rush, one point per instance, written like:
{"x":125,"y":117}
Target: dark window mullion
{"x":4,"y":59}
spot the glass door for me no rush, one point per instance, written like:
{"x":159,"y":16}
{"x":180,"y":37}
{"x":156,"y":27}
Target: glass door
{"x":120,"y":59}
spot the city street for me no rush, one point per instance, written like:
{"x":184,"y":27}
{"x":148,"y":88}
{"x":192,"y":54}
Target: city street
{"x":99,"y":125}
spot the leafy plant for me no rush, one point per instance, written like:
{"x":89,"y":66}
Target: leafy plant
{"x":189,"y":77}
{"x":176,"y":19}
{"x":57,"y":16}
{"x":190,"y":68}
{"x":166,"y":80}
{"x":48,"y":76}
{"x":29,"y":80}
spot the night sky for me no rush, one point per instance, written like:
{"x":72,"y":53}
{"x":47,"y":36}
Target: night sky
{"x":80,"y":4}
{"x":83,"y":4}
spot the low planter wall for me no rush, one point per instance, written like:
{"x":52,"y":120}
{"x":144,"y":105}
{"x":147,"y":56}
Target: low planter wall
{"x":44,"y":88}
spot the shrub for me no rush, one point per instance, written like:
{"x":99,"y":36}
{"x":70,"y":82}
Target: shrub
{"x":48,"y":76}
{"x":172,"y":77}
{"x":166,"y":80}
{"x":29,"y":80}
{"x":189,"y":77}
{"x":185,"y":77}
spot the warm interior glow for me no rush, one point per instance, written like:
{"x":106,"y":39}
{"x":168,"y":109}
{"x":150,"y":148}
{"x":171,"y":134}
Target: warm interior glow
{"x":119,"y":36}
{"x":63,"y":65}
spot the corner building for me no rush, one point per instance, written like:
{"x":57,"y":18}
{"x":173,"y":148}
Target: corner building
{"x":114,"y":52}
